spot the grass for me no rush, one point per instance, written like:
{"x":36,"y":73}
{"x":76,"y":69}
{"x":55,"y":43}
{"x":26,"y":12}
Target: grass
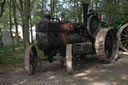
{"x":8,"y":57}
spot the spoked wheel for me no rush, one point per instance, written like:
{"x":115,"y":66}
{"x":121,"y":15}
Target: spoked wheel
{"x":69,"y":58}
{"x":93,"y":26}
{"x":30,"y":59}
{"x":107,"y":45}
{"x":123,"y":37}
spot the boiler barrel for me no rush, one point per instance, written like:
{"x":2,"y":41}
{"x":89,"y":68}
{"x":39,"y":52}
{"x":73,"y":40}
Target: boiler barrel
{"x":49,"y":33}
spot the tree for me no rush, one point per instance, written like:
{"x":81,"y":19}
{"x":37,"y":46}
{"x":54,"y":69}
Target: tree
{"x":2,"y":7}
{"x":31,"y":12}
{"x":10,"y":23}
{"x":15,"y":20}
{"x":26,"y":22}
{"x":52,"y":7}
{"x":31,"y":24}
{"x":1,"y":13}
{"x":20,"y":7}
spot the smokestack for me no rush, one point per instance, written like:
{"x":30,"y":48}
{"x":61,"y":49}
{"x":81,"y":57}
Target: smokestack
{"x":85,"y":12}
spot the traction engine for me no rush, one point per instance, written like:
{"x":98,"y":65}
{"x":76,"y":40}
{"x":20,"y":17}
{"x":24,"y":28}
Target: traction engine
{"x":64,"y":38}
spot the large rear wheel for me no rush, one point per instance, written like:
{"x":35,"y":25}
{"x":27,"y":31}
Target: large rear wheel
{"x":107,"y":45}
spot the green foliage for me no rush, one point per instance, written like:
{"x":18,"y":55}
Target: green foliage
{"x":4,"y":19}
{"x":10,"y":58}
{"x":113,"y":10}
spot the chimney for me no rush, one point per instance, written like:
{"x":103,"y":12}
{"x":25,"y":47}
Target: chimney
{"x":85,"y":12}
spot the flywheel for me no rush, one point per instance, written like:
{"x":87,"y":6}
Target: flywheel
{"x":93,"y":26}
{"x":123,"y":37}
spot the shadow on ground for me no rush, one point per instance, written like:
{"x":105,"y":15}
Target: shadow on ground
{"x":87,"y":72}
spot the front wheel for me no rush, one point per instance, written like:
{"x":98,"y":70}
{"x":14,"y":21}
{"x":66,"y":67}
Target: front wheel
{"x":30,"y":59}
{"x":69,"y":60}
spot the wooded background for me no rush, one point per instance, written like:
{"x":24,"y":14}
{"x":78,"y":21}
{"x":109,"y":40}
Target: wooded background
{"x":28,"y":12}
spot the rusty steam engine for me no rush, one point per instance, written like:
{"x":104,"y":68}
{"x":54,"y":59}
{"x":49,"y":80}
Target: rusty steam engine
{"x":69,"y":40}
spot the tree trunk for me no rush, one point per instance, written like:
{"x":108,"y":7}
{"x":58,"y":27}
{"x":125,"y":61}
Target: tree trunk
{"x":75,"y":6}
{"x":42,"y":9}
{"x":0,"y":44}
{"x":0,"y":38}
{"x":52,"y":7}
{"x":10,"y":19}
{"x":79,"y":13}
{"x":45,"y":7}
{"x":20,"y":8}
{"x":22,"y":18}
{"x":15,"y":20}
{"x":31,"y":29}
{"x":26,"y":21}
{"x":2,"y":8}
{"x":51,"y":3}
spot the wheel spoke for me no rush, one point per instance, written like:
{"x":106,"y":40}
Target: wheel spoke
{"x":125,"y":31}
{"x":125,"y":35}
{"x":125,"y":40}
{"x":125,"y":44}
{"x":122,"y":38}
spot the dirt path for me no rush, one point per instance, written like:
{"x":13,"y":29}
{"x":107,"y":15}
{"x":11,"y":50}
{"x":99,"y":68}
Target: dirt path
{"x":89,"y":72}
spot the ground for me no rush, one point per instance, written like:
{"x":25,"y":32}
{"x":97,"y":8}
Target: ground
{"x":89,"y":72}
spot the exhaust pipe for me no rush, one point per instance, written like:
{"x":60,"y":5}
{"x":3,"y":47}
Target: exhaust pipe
{"x":85,"y":12}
